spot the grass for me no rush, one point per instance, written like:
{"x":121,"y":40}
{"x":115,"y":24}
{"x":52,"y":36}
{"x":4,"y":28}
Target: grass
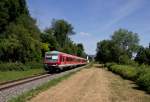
{"x":121,"y":91}
{"x":28,"y":95}
{"x":14,"y":75}
{"x":139,"y":74}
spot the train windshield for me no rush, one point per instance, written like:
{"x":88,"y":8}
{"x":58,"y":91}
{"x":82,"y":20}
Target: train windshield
{"x":51,"y":57}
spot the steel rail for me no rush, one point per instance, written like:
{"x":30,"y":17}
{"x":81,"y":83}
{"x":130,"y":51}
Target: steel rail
{"x":13,"y":83}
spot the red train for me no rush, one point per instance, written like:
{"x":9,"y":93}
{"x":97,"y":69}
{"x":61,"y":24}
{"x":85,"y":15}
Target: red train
{"x":57,"y":61}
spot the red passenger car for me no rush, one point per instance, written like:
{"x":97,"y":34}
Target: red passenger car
{"x":55,"y":60}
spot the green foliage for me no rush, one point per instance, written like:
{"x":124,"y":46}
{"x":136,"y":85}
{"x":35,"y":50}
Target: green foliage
{"x":80,"y":50}
{"x":144,"y":77}
{"x":19,"y":45}
{"x":10,"y":10}
{"x":48,"y":38}
{"x":58,"y":38}
{"x":9,"y":66}
{"x":120,"y":48}
{"x":61,"y":31}
{"x":108,"y":51}
{"x":108,"y":65}
{"x":144,"y":81}
{"x":140,"y":74}
{"x":34,"y":65}
{"x":125,"y":71}
{"x":44,"y":48}
{"x":126,"y":40}
{"x":20,"y":37}
{"x":12,"y":66}
{"x":143,"y":56}
{"x":21,"y":40}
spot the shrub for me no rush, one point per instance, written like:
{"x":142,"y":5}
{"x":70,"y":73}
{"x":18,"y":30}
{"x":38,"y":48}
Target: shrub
{"x":12,"y":66}
{"x":108,"y":65}
{"x":19,"y":66}
{"x":125,"y":71}
{"x":141,"y":74}
{"x":143,"y":69}
{"x":144,"y":81}
{"x":34,"y":65}
{"x":144,"y":77}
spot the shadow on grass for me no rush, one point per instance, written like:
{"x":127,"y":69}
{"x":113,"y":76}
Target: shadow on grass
{"x":132,"y":82}
{"x":137,"y":87}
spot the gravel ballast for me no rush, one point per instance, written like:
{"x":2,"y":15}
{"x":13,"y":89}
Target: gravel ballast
{"x":7,"y":94}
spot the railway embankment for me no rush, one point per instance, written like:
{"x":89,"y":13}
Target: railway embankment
{"x":27,"y":88}
{"x":15,"y":71}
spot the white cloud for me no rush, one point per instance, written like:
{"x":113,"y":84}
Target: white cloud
{"x":84,"y":34}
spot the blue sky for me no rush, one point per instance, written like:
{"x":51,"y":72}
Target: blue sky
{"x":95,"y":20}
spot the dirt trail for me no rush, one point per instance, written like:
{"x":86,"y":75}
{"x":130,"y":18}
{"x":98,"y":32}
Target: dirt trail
{"x":93,"y":85}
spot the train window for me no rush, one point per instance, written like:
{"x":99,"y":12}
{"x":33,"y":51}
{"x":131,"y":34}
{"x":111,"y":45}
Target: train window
{"x":68,"y":59}
{"x":51,"y":57}
{"x":63,"y":59}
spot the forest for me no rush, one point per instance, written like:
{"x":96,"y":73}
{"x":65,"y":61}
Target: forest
{"x":21,"y":41}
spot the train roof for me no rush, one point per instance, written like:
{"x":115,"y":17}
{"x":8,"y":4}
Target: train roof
{"x":52,"y":52}
{"x":57,"y":52}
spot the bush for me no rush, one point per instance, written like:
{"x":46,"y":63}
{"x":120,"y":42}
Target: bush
{"x":34,"y":65}
{"x":12,"y":66}
{"x":108,"y":65}
{"x":143,"y":69}
{"x":125,"y":71}
{"x":144,"y":81}
{"x":19,"y":66}
{"x":144,"y":77}
{"x":141,"y":74}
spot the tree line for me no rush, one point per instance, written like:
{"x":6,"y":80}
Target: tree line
{"x":22,"y":41}
{"x":123,"y":48}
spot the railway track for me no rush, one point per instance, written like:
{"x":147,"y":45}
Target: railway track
{"x":13,"y":83}
{"x":12,"y":89}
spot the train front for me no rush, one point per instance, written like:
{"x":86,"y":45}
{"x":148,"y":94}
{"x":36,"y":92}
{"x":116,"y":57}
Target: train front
{"x":51,"y":61}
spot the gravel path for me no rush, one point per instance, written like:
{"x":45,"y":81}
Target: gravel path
{"x":93,"y":85}
{"x":7,"y":94}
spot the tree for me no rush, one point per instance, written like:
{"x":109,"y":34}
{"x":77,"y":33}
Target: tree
{"x":58,"y":38}
{"x":80,"y":50}
{"x":10,"y":10}
{"x":20,"y":37}
{"x":22,"y":41}
{"x":108,"y":51}
{"x":119,"y":48}
{"x":61,"y":31}
{"x":126,"y":40}
{"x":44,"y":48}
{"x":143,"y":56}
{"x":47,"y":37}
